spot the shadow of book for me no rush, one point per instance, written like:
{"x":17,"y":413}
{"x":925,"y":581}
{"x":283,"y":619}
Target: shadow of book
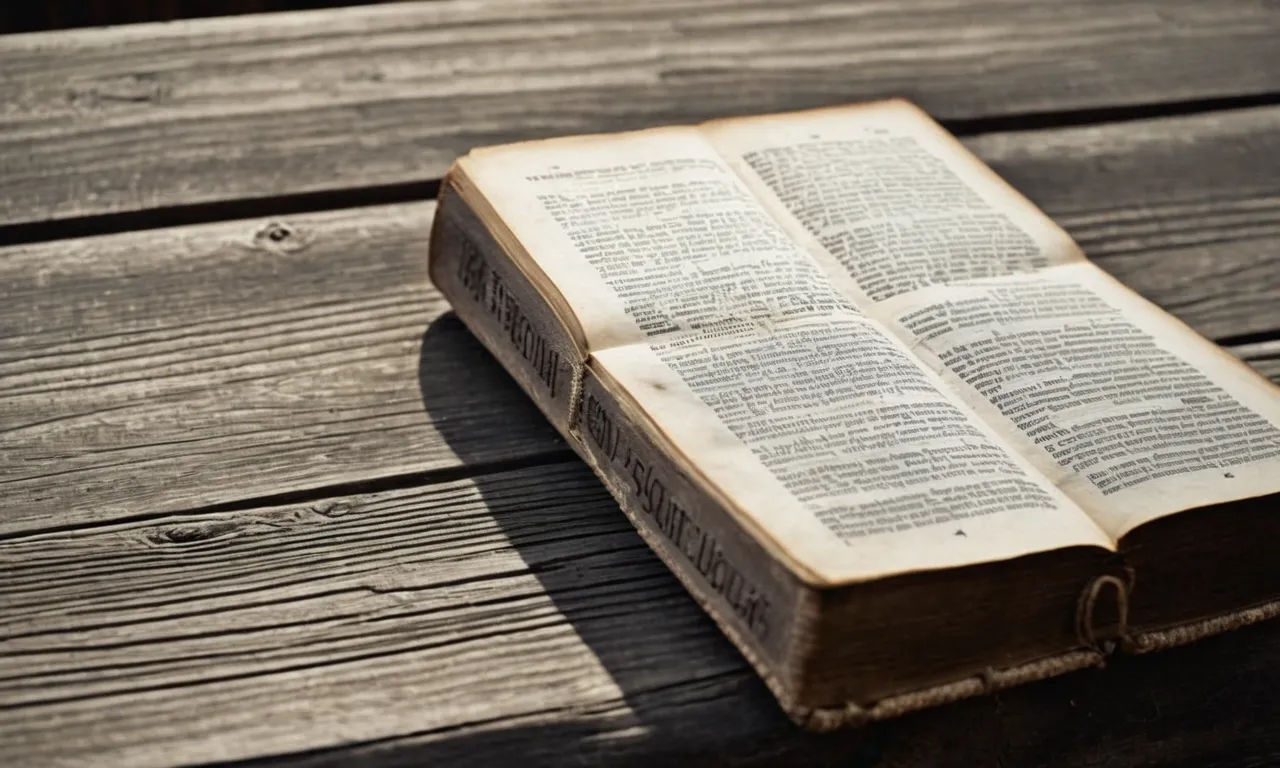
{"x":685,"y":690}
{"x":686,"y":694}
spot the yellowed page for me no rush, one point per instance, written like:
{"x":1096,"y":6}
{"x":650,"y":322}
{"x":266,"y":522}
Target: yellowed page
{"x":1130,"y":412}
{"x":841,"y":449}
{"x":527,"y":186}
{"x":883,"y":473}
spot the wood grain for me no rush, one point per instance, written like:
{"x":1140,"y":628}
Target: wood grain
{"x":171,"y":369}
{"x":60,"y":14}
{"x":157,"y":116}
{"x":175,"y":369}
{"x":513,"y":616}
{"x":152,"y":384}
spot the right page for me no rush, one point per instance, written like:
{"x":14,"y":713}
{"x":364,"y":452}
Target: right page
{"x":1129,"y":412}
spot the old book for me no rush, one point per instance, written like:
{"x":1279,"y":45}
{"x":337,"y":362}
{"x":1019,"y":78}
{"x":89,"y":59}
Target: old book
{"x":875,"y":410}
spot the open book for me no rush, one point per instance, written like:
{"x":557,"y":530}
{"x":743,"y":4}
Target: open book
{"x":875,"y":410}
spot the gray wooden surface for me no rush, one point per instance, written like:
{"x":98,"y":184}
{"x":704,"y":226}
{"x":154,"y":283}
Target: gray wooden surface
{"x":510,"y":615}
{"x":267,"y":497}
{"x":389,"y":95}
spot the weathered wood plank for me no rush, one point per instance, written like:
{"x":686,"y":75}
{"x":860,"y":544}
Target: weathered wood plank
{"x":491,"y":620}
{"x":180,"y":368}
{"x":170,"y":369}
{"x":134,"y":118}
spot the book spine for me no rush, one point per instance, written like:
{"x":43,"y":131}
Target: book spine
{"x":755,"y":600}
{"x":501,"y":308}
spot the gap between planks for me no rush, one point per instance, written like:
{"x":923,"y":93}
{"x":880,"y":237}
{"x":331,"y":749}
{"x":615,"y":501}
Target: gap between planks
{"x":162,"y":216}
{"x":284,"y":106}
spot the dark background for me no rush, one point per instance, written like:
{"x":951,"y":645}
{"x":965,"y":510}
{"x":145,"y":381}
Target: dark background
{"x":60,"y":14}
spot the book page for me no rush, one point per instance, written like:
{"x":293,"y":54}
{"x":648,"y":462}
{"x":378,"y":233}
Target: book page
{"x":649,"y":233}
{"x":836,"y":443}
{"x":1127,"y":410}
{"x":887,"y":200}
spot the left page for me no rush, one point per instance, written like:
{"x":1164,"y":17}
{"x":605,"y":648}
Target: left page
{"x":835,"y":443}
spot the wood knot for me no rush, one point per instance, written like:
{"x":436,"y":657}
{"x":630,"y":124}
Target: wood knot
{"x":193,"y":533}
{"x":334,"y":509}
{"x":279,"y":237}
{"x":371,"y":75}
{"x":129,"y":88}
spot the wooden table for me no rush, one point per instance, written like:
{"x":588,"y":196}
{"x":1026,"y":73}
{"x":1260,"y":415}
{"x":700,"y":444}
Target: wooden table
{"x":265,"y":498}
